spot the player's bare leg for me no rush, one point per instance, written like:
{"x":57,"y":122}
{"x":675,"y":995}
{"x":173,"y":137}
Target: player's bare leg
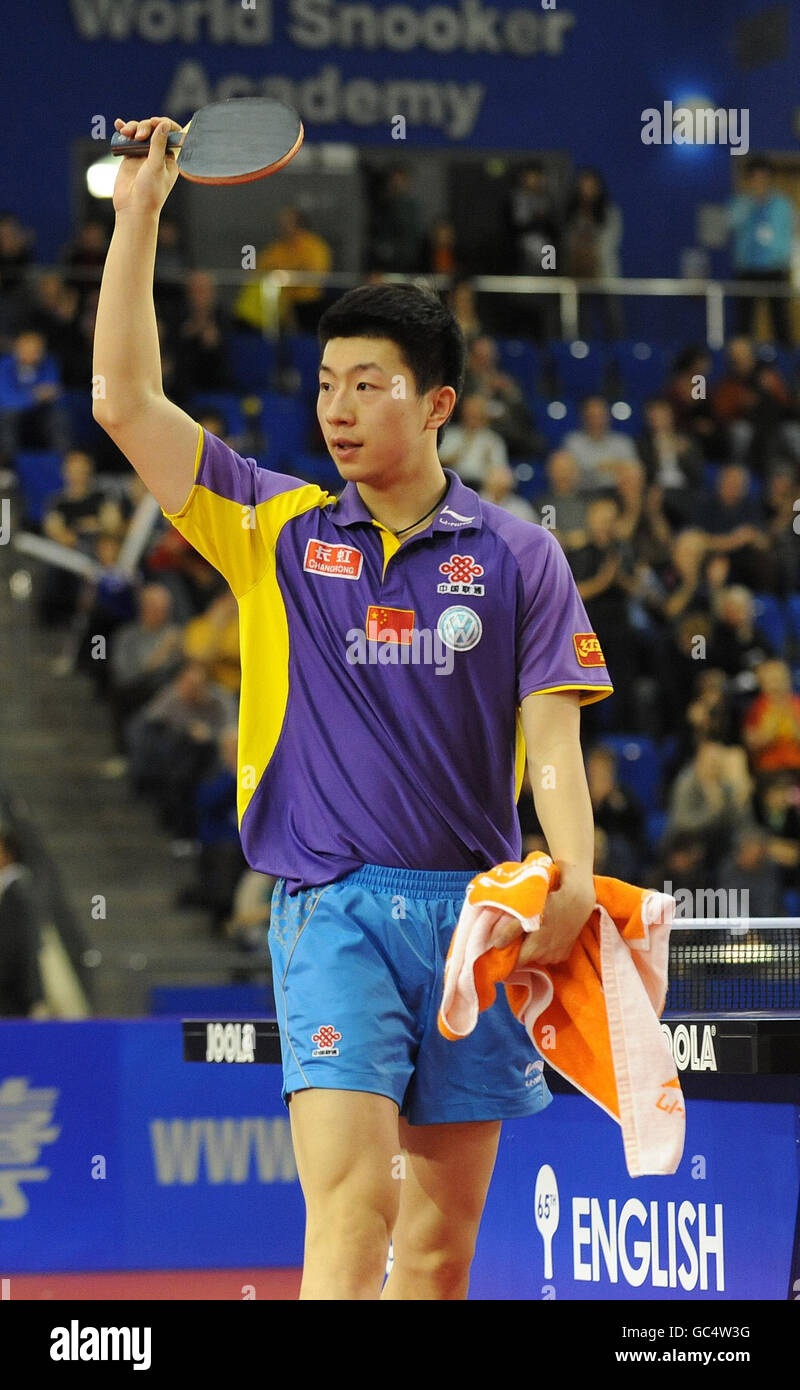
{"x":344,"y":1144}
{"x":447,"y":1174}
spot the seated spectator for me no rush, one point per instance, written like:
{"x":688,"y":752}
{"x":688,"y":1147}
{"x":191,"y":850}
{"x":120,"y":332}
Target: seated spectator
{"x":175,"y":564}
{"x":772,"y":722}
{"x":598,"y":449}
{"x":296,"y":248}
{"x":73,"y":518}
{"x":470,"y":447}
{"x":172,"y":743}
{"x":21,"y":988}
{"x":562,"y":507}
{"x":681,"y":867}
{"x":221,"y":862}
{"x":711,"y":799}
{"x":777,"y":810}
{"x":16,"y":253}
{"x":200,"y":346}
{"x":688,"y":392}
{"x":780,"y":495}
{"x":750,"y":877}
{"x":145,"y":654}
{"x":682,"y":579}
{"x":604,"y":575}
{"x":464,"y":306}
{"x":734,"y":524}
{"x":671,"y":459}
{"x":615,"y":809}
{"x":736,"y":645}
{"x":710,"y":716}
{"x":108,"y":603}
{"x":641,"y":523}
{"x":499,"y":488}
{"x":30,"y":389}
{"x":613,"y":857}
{"x":750,"y":404}
{"x":56,"y":315}
{"x":508,"y":413}
{"x":85,"y":256}
{"x":213,"y":638}
{"x":248,"y":923}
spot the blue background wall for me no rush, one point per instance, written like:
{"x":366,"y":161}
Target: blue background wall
{"x":617,"y":58}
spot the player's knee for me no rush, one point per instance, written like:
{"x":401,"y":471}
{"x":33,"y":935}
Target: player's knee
{"x":347,"y":1236}
{"x":439,"y":1260}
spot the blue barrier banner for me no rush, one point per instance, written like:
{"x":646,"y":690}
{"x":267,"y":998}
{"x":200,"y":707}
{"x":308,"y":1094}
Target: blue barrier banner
{"x":115,"y":1154}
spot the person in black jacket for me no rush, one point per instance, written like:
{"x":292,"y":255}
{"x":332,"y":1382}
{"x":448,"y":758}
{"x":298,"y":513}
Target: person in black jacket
{"x":21,"y":990}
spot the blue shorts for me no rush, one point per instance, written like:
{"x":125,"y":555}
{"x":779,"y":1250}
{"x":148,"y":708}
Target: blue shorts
{"x":358,"y":970}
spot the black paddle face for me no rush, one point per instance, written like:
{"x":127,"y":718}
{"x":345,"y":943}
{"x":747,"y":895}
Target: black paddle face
{"x":232,"y":141}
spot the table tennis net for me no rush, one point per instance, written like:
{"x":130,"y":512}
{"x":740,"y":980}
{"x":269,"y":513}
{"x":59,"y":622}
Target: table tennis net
{"x":715,"y":969}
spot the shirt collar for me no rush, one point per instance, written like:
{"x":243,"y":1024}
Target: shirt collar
{"x":459,"y":509}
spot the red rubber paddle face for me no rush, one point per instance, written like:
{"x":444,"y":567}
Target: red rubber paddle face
{"x":233,"y":141}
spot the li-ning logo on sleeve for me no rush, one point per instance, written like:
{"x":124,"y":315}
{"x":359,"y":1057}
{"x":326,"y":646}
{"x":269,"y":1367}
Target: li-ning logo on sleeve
{"x":587,"y":649}
{"x":460,"y":571}
{"x":325,"y":1036}
{"x":335,"y":561}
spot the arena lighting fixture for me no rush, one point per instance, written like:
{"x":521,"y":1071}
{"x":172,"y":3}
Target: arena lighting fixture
{"x":695,"y":101}
{"x":101,"y":176}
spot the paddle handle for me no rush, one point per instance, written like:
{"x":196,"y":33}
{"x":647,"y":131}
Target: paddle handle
{"x":120,"y":144}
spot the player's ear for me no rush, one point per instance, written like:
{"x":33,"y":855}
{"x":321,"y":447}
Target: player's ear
{"x":442,"y":405}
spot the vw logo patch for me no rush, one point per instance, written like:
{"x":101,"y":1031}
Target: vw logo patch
{"x":460,"y":628}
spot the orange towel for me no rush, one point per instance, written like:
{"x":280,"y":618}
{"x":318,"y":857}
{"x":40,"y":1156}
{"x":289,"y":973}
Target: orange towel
{"x":593,"y":1017}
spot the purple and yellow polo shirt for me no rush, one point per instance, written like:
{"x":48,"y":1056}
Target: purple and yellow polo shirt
{"x":381,"y":681}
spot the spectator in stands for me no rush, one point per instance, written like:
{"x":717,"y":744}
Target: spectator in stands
{"x":598,"y":449}
{"x":562,"y":507}
{"x":772,"y":723}
{"x":780,"y":495}
{"x":750,"y":405}
{"x":613,"y":857}
{"x":200,"y":349}
{"x":76,"y":515}
{"x":21,"y":989}
{"x":221,"y":862}
{"x":16,"y":253}
{"x":615,"y":809}
{"x":30,"y":390}
{"x":682,"y":865}
{"x":441,"y":249}
{"x":641,"y":523}
{"x":108,"y":603}
{"x":750,"y":876}
{"x":592,"y":237}
{"x":296,"y":248}
{"x":172,"y":743}
{"x":710,"y":715}
{"x":762,"y":224}
{"x":508,"y":411}
{"x":499,"y":488}
{"x":737,"y":646}
{"x":213,"y":638}
{"x":470,"y":447}
{"x":248,"y":923}
{"x":532,"y":224}
{"x":145,"y":654}
{"x":464,"y":306}
{"x":688,"y":393}
{"x":683,"y":582}
{"x":604,"y":575}
{"x":84,"y":257}
{"x":711,"y":799}
{"x":175,"y":564}
{"x":56,"y":315}
{"x":671,"y":459}
{"x":170,"y":267}
{"x":733,"y":523}
{"x":777,"y":810}
{"x":396,"y":236}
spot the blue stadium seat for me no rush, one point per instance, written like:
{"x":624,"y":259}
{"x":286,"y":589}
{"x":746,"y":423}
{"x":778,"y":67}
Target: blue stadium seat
{"x":318,"y":468}
{"x":521,"y":360}
{"x":286,"y":420}
{"x":638,"y":765}
{"x":39,"y":474}
{"x":642,"y":370}
{"x":655,"y":823}
{"x":581,"y":368}
{"x":793,"y":615}
{"x":791,"y":902}
{"x":85,"y":429}
{"x":226,"y":403}
{"x":770,"y":619}
{"x":304,"y":355}
{"x":252,"y":360}
{"x":553,"y":425}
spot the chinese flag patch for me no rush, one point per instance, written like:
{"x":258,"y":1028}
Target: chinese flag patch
{"x":587,"y":649}
{"x":390,"y":624}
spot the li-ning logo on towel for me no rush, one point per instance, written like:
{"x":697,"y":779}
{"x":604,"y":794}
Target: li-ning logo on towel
{"x":587,"y":649}
{"x":460,"y":571}
{"x":335,"y":561}
{"x":325,"y":1036}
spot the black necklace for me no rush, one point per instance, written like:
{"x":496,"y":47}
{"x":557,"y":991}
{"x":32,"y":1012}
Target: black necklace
{"x":427,"y":514}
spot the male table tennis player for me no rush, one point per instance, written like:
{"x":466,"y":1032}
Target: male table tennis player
{"x":375,"y":787}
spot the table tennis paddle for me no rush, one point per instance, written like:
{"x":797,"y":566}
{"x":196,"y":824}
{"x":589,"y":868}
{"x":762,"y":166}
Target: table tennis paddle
{"x":233,"y":141}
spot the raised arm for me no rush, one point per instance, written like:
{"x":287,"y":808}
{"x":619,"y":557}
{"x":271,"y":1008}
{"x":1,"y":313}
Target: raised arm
{"x":158,"y":438}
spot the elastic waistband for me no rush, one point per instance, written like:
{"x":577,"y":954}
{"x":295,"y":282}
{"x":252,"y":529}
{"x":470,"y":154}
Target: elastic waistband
{"x":412,"y":883}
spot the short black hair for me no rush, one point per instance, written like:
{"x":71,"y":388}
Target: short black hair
{"x":415,"y":319}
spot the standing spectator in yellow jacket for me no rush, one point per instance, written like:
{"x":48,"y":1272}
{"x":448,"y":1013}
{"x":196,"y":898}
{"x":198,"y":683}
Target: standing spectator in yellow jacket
{"x":213,"y":638}
{"x":297,"y":248}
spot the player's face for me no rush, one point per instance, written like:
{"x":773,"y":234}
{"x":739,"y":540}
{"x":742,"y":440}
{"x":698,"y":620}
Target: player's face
{"x":372,"y":420}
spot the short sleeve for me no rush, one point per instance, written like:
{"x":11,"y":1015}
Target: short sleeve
{"x":236,"y":509}
{"x":556,"y":647}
